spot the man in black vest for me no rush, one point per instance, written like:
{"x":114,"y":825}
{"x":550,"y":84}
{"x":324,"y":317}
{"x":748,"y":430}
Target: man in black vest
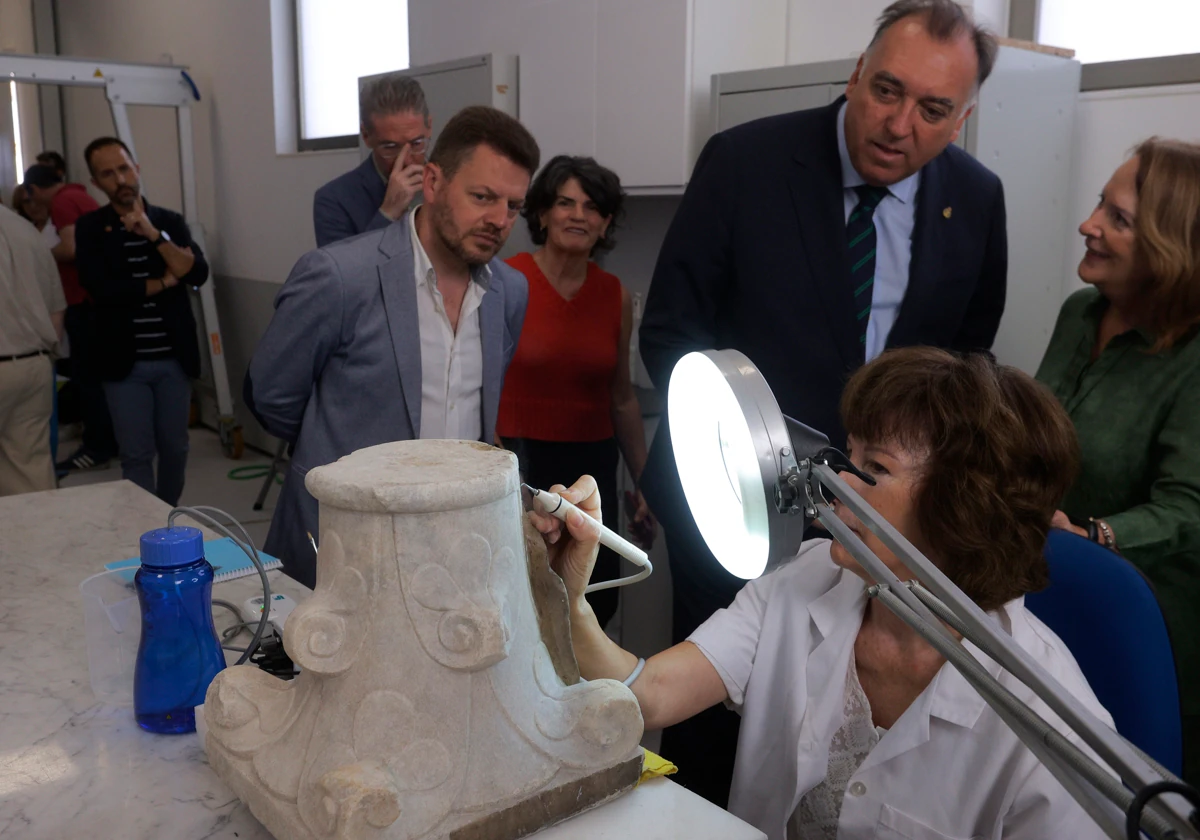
{"x":811,"y":242}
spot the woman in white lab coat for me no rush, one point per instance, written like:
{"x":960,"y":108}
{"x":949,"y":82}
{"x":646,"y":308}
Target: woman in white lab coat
{"x":853,"y":726}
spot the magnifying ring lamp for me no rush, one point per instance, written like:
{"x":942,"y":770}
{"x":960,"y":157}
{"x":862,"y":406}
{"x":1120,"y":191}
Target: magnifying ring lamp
{"x":755,"y":478}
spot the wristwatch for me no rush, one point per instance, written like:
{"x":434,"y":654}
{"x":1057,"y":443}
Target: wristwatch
{"x":163,"y":236}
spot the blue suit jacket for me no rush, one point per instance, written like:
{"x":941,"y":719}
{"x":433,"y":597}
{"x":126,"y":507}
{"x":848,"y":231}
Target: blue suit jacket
{"x":756,"y":259}
{"x":339,"y":367}
{"x":349,"y":205}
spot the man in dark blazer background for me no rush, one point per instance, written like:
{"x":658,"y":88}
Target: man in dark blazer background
{"x":811,"y":242}
{"x":396,"y":126}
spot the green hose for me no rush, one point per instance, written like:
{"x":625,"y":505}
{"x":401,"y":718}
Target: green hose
{"x":251,"y":472}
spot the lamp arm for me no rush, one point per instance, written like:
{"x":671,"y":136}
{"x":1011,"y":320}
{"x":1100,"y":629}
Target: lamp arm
{"x":974,"y":624}
{"x":947,"y":615}
{"x":1069,"y":764}
{"x":983,"y":631}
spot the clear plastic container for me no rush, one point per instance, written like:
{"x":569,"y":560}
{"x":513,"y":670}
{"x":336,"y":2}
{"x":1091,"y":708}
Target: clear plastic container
{"x":112,"y":623}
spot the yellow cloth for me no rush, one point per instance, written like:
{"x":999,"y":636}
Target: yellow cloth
{"x":654,"y":766}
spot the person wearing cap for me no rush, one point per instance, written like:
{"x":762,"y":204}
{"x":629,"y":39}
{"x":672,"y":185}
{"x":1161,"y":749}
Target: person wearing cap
{"x":44,"y":186}
{"x":55,"y":161}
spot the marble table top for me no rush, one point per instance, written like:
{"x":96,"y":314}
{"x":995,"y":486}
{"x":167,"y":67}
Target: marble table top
{"x":71,"y":766}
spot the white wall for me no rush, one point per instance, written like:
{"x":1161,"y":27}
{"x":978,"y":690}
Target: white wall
{"x":16,"y":36}
{"x":256,"y":205}
{"x":1108,"y":125}
{"x":824,"y":30}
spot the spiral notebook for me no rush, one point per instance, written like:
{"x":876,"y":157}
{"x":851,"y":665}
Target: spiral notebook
{"x":228,"y":560}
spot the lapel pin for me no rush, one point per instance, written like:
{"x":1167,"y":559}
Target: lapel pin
{"x":946,"y":213}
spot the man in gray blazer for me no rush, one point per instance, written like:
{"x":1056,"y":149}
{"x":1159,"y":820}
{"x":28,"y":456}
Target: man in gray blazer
{"x":396,"y":127}
{"x":400,"y":333}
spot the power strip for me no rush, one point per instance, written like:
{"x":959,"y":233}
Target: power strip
{"x":281,"y":608}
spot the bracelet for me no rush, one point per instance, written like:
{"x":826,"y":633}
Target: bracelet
{"x":637,"y":672}
{"x":1110,"y":541}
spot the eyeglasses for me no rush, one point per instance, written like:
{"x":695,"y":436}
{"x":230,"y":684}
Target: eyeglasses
{"x":388,"y":150}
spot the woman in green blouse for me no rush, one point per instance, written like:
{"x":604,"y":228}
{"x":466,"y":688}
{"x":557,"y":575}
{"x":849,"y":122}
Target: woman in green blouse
{"x":1125,"y":362}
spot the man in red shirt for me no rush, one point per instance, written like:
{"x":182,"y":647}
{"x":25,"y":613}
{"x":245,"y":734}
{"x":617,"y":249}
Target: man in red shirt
{"x":66,"y":203}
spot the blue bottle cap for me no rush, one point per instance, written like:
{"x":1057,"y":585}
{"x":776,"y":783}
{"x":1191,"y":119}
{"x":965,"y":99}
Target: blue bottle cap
{"x":170,"y":548}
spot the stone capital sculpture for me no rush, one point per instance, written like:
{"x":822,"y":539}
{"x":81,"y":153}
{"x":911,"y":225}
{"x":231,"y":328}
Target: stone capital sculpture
{"x":438,"y":697}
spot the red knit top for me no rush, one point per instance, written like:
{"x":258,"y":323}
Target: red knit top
{"x":559,"y":384}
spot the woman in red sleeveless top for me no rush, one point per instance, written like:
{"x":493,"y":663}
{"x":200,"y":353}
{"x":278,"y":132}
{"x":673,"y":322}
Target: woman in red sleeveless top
{"x":568,"y":406}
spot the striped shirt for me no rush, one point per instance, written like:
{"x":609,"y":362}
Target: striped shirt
{"x":150,"y":339}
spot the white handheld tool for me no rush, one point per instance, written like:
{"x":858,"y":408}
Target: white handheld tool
{"x":558,"y":507}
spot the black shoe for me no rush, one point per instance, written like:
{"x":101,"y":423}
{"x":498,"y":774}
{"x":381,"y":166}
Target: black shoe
{"x":83,"y":459}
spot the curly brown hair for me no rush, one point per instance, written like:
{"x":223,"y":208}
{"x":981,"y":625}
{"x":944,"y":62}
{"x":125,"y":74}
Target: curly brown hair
{"x":1000,"y":454}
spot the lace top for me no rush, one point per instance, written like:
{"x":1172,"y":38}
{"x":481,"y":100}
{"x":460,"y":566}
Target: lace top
{"x":816,"y":817}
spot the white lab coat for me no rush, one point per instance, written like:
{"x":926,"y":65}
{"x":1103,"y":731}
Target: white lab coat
{"x":949,"y":769}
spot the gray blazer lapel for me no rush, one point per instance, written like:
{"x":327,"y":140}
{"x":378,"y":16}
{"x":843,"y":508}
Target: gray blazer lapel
{"x":399,"y":290}
{"x":491,"y":336}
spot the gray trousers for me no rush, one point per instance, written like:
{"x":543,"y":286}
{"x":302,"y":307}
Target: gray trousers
{"x":149,"y":410}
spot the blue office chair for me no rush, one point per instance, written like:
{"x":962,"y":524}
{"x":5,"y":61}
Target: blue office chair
{"x":1105,"y":610}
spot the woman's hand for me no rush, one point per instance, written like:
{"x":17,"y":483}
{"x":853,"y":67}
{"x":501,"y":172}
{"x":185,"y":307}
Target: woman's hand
{"x":642,"y":526}
{"x":573,"y":549}
{"x":1060,"y":520}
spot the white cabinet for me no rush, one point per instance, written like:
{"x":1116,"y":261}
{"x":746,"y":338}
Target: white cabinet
{"x":626,"y":81}
{"x":641,"y":91}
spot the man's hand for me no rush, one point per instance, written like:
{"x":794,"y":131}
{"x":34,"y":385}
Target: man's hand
{"x":137,"y":222}
{"x":573,"y":549}
{"x":157,"y":285}
{"x":403,"y":185}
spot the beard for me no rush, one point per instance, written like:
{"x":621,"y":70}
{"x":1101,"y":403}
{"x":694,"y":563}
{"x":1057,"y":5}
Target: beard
{"x":126,"y":196}
{"x":462,"y":244}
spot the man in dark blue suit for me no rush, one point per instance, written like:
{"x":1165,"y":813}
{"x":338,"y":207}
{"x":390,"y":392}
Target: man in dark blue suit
{"x":811,"y":242}
{"x":396,"y":127}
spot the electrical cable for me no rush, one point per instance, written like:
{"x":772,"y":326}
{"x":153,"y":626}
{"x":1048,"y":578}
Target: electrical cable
{"x":1133,"y":816}
{"x":234,"y":630}
{"x":198,"y":513}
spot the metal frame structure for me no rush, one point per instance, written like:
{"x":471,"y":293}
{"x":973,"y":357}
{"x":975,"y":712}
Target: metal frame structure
{"x":160,"y":85}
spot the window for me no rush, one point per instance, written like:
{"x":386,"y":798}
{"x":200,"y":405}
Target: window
{"x":16,"y":126}
{"x":1115,"y":30}
{"x":336,"y":43}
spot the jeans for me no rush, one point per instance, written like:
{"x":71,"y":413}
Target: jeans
{"x":97,"y":424}
{"x":150,"y":410}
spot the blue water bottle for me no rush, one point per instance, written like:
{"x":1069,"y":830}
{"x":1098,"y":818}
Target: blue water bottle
{"x":179,"y":653}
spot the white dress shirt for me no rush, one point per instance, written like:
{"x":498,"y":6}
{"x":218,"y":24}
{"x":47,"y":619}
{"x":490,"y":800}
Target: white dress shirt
{"x":451,"y":361}
{"x":948,"y":769}
{"x":894,"y":218}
